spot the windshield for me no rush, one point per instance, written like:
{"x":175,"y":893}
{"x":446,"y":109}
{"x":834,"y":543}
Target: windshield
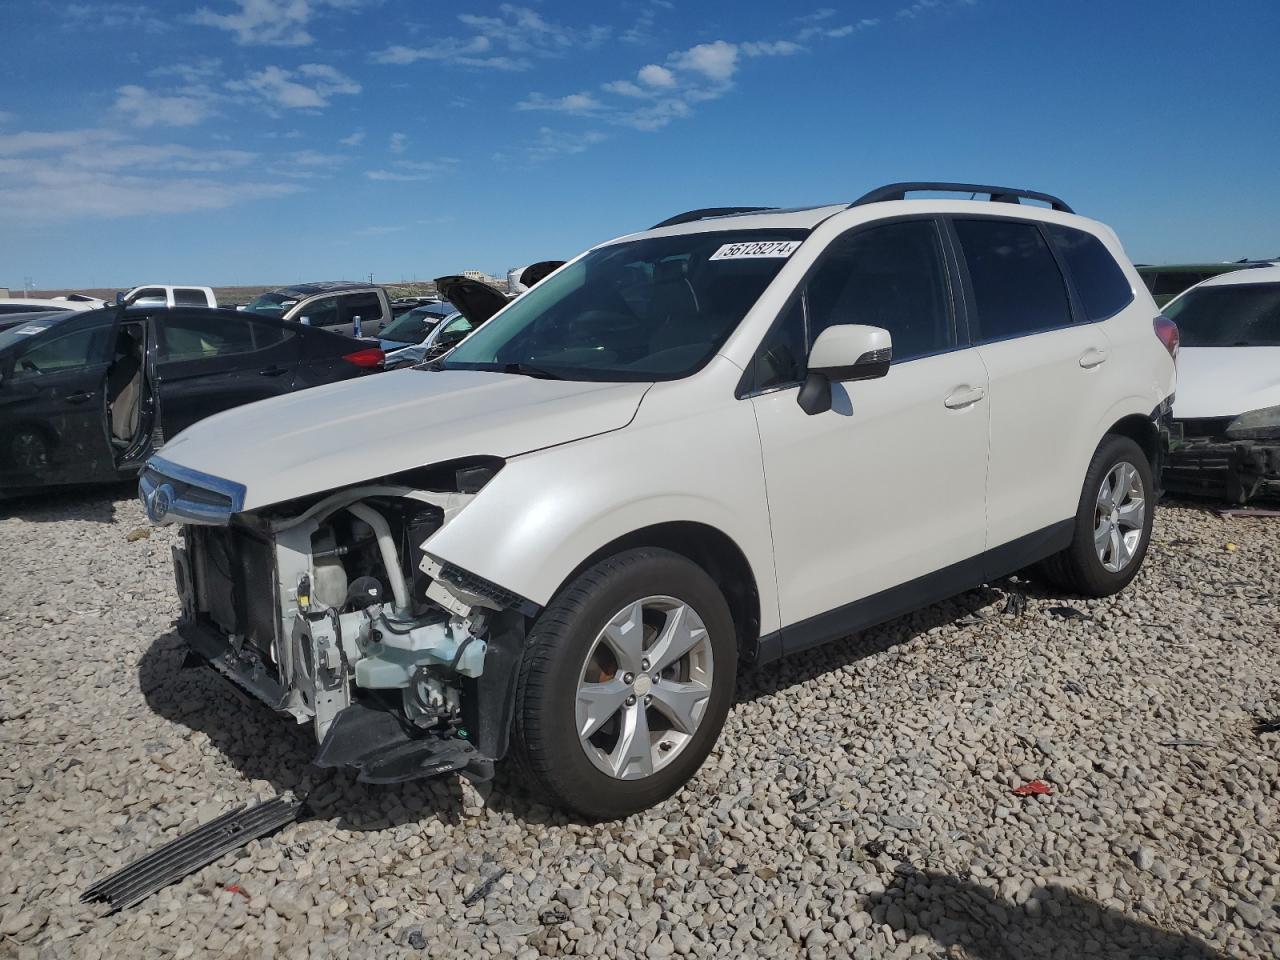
{"x":1235,"y":315}
{"x":654,"y":309}
{"x":413,"y":326}
{"x":271,"y":304}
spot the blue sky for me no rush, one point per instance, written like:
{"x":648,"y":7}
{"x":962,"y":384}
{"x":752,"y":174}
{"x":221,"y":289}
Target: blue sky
{"x":261,"y":141}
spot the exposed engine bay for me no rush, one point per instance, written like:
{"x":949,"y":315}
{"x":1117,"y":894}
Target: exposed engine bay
{"x":334,"y":612}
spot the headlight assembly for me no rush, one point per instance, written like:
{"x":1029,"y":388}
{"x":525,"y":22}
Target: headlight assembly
{"x":1261,"y":424}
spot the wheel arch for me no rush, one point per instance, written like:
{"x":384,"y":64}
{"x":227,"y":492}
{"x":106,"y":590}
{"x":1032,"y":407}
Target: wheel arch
{"x":1142,"y":431}
{"x":711,"y":549}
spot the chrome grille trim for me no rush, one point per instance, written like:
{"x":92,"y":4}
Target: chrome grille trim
{"x":171,"y":492}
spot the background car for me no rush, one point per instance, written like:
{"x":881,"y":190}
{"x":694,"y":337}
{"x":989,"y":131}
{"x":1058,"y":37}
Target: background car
{"x":167,"y":295}
{"x":402,"y":305}
{"x":339,"y":306}
{"x":1167,"y":281}
{"x":413,"y":326}
{"x":471,"y":303}
{"x":88,"y":396}
{"x":1227,"y":410}
{"x":24,"y":305}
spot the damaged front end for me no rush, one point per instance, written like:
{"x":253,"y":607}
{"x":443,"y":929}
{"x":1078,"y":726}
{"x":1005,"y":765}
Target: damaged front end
{"x":1210,"y":458}
{"x":332,"y":610}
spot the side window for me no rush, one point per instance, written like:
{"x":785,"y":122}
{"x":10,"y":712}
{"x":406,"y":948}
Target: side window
{"x":59,"y":353}
{"x":1103,"y":288}
{"x":187,"y":297}
{"x":891,"y":276}
{"x":150,"y":296}
{"x":321,"y":313}
{"x":366,"y":306}
{"x":195,"y":337}
{"x":1016,"y":281}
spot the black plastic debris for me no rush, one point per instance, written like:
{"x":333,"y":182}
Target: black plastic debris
{"x":136,"y":881}
{"x":1015,"y":604}
{"x":1069,"y":613}
{"x":1261,"y":725}
{"x":485,"y":888}
{"x":553,"y":916}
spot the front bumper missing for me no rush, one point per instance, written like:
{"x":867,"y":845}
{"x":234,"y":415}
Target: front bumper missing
{"x":1235,"y":470}
{"x":370,"y":740}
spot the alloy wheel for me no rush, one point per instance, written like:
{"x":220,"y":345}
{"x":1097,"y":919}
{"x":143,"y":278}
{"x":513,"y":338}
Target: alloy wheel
{"x":1119,"y":517}
{"x":644,"y":687}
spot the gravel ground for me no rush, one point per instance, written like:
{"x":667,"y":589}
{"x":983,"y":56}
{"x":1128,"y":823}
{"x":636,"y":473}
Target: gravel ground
{"x":860,"y":801}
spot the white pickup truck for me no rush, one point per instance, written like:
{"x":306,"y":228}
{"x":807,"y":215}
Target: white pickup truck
{"x":165,"y":295}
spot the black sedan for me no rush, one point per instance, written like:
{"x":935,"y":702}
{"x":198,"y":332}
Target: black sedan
{"x":87,"y":397}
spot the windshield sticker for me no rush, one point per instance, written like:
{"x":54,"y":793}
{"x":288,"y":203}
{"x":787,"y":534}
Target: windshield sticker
{"x":763,"y":248}
{"x":27,"y":331}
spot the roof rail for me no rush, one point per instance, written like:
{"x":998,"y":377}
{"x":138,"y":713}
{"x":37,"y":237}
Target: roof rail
{"x":706,"y":212}
{"x":899,"y":191}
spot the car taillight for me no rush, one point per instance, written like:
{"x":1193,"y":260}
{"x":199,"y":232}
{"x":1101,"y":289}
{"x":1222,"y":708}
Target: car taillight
{"x":1167,"y":331}
{"x":366,"y":359}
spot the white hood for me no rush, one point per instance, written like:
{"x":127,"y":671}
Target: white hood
{"x":1226,"y":381}
{"x":357,"y":430}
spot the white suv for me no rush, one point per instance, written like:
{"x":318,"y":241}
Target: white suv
{"x":735,"y":435}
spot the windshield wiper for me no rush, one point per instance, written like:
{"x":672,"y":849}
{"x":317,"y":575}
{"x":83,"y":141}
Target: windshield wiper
{"x":528,"y":370}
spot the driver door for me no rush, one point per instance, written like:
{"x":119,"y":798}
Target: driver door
{"x":873,"y":502}
{"x":53,"y":408}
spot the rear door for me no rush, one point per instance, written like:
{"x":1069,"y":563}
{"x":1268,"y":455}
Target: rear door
{"x":360,"y":314}
{"x":211,"y":361}
{"x":1049,"y":375}
{"x":53,"y":405}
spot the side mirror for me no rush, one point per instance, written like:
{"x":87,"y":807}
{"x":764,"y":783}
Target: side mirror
{"x":119,"y":298}
{"x":843,"y":352}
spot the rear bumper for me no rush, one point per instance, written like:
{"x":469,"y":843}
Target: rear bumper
{"x":1234,"y":470}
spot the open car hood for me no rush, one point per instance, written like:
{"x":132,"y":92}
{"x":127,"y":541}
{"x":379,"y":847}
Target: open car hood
{"x":475,"y":300}
{"x":363,"y":429}
{"x":1226,"y":381}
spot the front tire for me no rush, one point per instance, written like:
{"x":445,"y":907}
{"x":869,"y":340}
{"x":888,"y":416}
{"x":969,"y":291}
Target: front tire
{"x":1112,"y":524}
{"x":626,"y":681}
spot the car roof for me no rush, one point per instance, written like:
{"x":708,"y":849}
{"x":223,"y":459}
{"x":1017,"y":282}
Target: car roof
{"x":323,"y":286}
{"x":1269,"y":273}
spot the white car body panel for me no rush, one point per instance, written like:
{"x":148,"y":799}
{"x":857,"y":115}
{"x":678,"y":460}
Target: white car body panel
{"x":886,"y":487}
{"x":1226,"y":381}
{"x":347,"y":432}
{"x":691,"y":454}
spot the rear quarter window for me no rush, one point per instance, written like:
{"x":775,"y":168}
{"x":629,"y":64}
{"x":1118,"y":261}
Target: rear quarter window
{"x":1016,"y":282}
{"x":1102,"y":286}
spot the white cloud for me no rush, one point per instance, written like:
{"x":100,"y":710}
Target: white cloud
{"x":656,"y":76}
{"x":145,"y":108}
{"x":408,"y":171}
{"x":716,"y":61}
{"x":551,"y":144}
{"x":52,"y":175}
{"x":777,"y":48}
{"x":277,"y":23}
{"x":354,"y":140}
{"x":510,"y":41}
{"x":577,"y":103}
{"x":111,"y":16}
{"x":398,"y":143}
{"x":307,"y":88}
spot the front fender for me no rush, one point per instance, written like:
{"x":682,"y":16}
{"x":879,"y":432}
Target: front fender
{"x":547,"y":511}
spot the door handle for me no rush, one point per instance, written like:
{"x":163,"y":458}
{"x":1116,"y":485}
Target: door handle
{"x":963,"y":397}
{"x":80,"y":396}
{"x":273,"y":371}
{"x":1093,"y":357}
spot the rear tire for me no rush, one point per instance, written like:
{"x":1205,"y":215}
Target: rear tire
{"x":596,"y":733}
{"x":1112,"y":524}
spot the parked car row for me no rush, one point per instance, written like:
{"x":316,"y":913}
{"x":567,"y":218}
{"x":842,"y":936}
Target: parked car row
{"x":719,"y":440}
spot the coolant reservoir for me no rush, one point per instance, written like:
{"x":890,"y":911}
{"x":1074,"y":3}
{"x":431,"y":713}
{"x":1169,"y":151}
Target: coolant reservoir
{"x":329,"y":582}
